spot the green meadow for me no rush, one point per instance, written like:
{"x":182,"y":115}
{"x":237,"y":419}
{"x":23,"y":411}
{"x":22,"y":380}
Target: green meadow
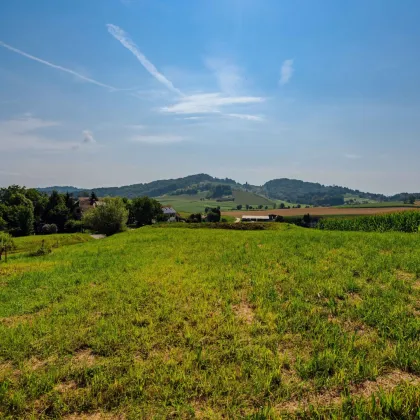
{"x":205,"y":323}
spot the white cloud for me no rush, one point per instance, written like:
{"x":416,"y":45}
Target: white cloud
{"x":88,"y":137}
{"x":352,"y":156}
{"x":208,"y":103}
{"x":157,"y":139}
{"x":55,"y":66}
{"x":128,"y":43}
{"x":286,"y":72}
{"x":247,"y":117}
{"x":228,"y":75}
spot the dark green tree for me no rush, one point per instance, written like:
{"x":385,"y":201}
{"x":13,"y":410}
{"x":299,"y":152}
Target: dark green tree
{"x":145,"y":210}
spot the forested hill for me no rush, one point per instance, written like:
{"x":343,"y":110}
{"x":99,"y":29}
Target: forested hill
{"x":290,"y":190}
{"x":297,"y":191}
{"x":152,"y":189}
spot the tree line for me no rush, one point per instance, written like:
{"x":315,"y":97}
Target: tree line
{"x":25,"y":211}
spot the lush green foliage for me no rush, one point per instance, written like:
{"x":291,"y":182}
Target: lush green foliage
{"x":219,"y":190}
{"x":108,"y":218}
{"x":6,"y":243}
{"x":213,"y":215}
{"x":183,"y":323}
{"x":404,"y":221}
{"x":143,"y":210}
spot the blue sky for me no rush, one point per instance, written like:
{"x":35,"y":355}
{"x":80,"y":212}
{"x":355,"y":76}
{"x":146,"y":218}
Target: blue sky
{"x":115,"y":92}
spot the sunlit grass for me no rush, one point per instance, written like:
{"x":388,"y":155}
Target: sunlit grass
{"x":207,"y":323}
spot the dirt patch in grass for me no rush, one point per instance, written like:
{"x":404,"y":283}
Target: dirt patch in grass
{"x":14,"y":320}
{"x":65,"y":387}
{"x":98,"y":415}
{"x":244,"y":312}
{"x":404,"y":275}
{"x":84,"y":357}
{"x":365,"y":389}
{"x":416,"y":285}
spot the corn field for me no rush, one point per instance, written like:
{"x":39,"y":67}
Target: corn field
{"x":408,"y":221}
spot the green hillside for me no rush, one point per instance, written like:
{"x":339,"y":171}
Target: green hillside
{"x":284,"y":189}
{"x":204,"y":323}
{"x":245,"y":197}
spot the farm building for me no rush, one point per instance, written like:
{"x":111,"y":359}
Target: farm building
{"x":83,"y":205}
{"x":169,"y":214}
{"x":253,"y":218}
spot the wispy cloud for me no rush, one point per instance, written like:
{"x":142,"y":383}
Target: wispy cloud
{"x":157,"y":139}
{"x":228,"y":75}
{"x":88,"y":137}
{"x":247,"y":117}
{"x":57,"y":67}
{"x":352,"y":156}
{"x":286,"y":71}
{"x":128,"y":43}
{"x":208,"y":103}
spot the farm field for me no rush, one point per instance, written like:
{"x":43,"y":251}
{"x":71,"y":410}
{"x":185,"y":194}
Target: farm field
{"x":320,"y":211}
{"x":245,"y":197}
{"x":164,"y":322}
{"x":193,"y":204}
{"x":381,"y":204}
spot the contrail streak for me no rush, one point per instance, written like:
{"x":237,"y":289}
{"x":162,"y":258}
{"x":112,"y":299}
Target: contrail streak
{"x":55,"y":66}
{"x":127,"y":42}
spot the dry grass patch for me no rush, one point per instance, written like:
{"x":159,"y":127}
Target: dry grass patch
{"x":84,"y":357}
{"x":404,"y":275}
{"x":98,"y":415}
{"x":334,"y":397}
{"x":244,"y":312}
{"x":65,"y":387}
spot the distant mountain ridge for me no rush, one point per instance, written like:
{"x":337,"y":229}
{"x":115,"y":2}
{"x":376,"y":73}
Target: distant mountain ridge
{"x":286,"y":189}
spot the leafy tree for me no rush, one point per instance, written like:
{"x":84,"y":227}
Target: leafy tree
{"x":411,"y":199}
{"x":145,"y":210}
{"x":247,"y":206}
{"x":214,"y":215}
{"x":239,"y":207}
{"x":56,"y":211}
{"x":6,"y":243}
{"x":282,"y":206}
{"x":221,"y":190}
{"x":108,"y":218}
{"x":260,"y":206}
{"x":3,"y":223}
{"x":93,"y":197}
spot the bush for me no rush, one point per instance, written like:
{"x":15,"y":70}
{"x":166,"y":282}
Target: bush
{"x":6,"y":243}
{"x":279,"y":219}
{"x":213,"y":215}
{"x":44,"y":250}
{"x":73,"y":226}
{"x":194,"y":218}
{"x":108,"y":218}
{"x":49,"y":229}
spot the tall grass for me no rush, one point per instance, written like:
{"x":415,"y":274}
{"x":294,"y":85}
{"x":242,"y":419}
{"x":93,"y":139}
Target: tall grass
{"x":405,"y":221}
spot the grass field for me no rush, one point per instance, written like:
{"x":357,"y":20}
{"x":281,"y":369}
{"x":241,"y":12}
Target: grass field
{"x":204,"y":323}
{"x":245,"y":197}
{"x":193,"y":204}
